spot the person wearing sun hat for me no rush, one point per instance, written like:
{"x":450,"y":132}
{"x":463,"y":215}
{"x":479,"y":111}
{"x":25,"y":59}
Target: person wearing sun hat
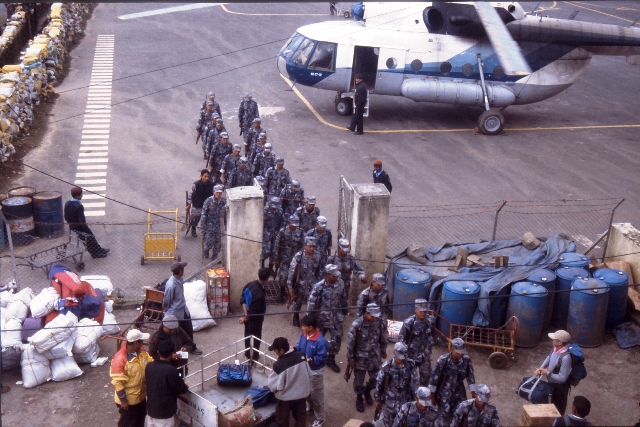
{"x":557,"y":368}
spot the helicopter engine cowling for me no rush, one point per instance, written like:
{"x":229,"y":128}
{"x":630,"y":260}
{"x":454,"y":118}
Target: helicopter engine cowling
{"x":453,"y":92}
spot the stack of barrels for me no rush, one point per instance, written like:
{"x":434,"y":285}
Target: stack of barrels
{"x":30,"y":214}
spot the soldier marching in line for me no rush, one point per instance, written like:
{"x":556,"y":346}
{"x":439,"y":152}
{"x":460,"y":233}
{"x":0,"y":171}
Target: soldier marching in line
{"x":200,"y":191}
{"x":273,"y":220}
{"x":212,"y":133}
{"x":264,"y":161}
{"x":262,"y":183}
{"x":211,"y":97}
{"x":323,"y":238}
{"x":397,"y":383}
{"x":218,"y":152}
{"x":258,"y":148}
{"x":304,"y":272}
{"x":292,"y":197}
{"x":252,"y":135}
{"x":289,"y":242}
{"x":214,"y":207}
{"x":229,"y":163}
{"x":348,"y":266}
{"x":377,"y":293}
{"x":326,"y":296}
{"x":246,"y":113}
{"x":203,"y":122}
{"x":478,"y":412}
{"x":308,"y":214}
{"x":366,"y":347}
{"x":417,"y":333}
{"x":446,"y":383}
{"x":241,"y":175}
{"x":277,"y":178}
{"x":421,"y":413}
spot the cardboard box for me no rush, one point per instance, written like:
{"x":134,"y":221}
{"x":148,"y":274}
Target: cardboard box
{"x":353,"y":423}
{"x":539,"y":415}
{"x":393,"y":329}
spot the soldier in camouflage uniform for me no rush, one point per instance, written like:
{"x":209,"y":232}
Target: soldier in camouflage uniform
{"x":289,"y":242}
{"x":366,"y":347}
{"x":396,"y":384}
{"x":203,"y":122}
{"x":211,"y":97}
{"x":300,"y":284}
{"x":219,"y":151}
{"x":292,"y":197}
{"x":277,"y":178}
{"x":326,"y":296}
{"x":348,"y":266}
{"x":273,"y":220}
{"x":241,"y":176}
{"x":213,"y":132}
{"x":308,"y":214}
{"x":377,"y":293}
{"x":258,"y":148}
{"x":478,"y":412}
{"x":323,"y":238}
{"x":214,"y":207}
{"x":252,"y":136}
{"x":421,"y":413}
{"x":262,"y":183}
{"x":246,"y":113}
{"x":264,"y":161}
{"x":229,"y":163}
{"x":417,"y":333}
{"x":446,"y":383}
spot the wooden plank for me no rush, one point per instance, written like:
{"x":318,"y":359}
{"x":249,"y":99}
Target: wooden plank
{"x":353,"y":423}
{"x":539,"y":415}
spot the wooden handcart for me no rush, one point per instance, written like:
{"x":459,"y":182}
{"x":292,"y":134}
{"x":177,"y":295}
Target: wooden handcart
{"x":160,"y":245}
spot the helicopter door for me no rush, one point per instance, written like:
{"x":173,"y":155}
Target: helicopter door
{"x":365,"y":62}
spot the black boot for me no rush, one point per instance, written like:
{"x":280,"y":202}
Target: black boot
{"x":367,"y":396}
{"x":193,"y":232}
{"x":296,"y":321}
{"x":359,"y":403}
{"x":331,"y":362}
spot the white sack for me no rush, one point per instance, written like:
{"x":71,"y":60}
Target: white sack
{"x":16,"y":310}
{"x":89,"y":331}
{"x":109,"y":324}
{"x":6,"y":298}
{"x":108,"y":306}
{"x":64,"y":369}
{"x":195,"y":294}
{"x":90,"y":355}
{"x":11,"y":356}
{"x":44,"y":303}
{"x":100,"y":282}
{"x":11,"y":332}
{"x":25,"y":295}
{"x":61,"y":350}
{"x":54,"y":332}
{"x":36,"y":369}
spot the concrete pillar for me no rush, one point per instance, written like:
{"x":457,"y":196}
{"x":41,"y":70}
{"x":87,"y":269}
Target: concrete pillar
{"x":624,"y":245}
{"x":243,"y":240}
{"x":369,"y":219}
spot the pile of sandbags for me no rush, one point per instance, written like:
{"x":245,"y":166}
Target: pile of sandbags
{"x":14,"y":310}
{"x":14,"y":25}
{"x":23,"y":85}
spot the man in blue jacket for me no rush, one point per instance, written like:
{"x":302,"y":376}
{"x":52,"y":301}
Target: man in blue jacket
{"x":315,"y":346}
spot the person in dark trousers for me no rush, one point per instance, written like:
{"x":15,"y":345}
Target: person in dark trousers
{"x":557,"y":368}
{"x":359,"y":101}
{"x":200,"y":191}
{"x":174,"y":303}
{"x":170,"y":330}
{"x":74,"y":215}
{"x":380,"y":176}
{"x":290,"y":383}
{"x":579,"y":411}
{"x":254,"y":306}
{"x":163,"y":387}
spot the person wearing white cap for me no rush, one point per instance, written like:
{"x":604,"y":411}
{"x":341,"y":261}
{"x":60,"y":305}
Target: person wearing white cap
{"x":452,"y":368}
{"x":377,"y":292}
{"x":323,"y":237}
{"x":348,"y":266}
{"x":366,"y":347}
{"x":246,"y":113}
{"x":478,"y":412}
{"x":421,"y":413}
{"x":417,"y":333}
{"x":308,"y":214}
{"x":127,"y":376}
{"x":396,"y":384}
{"x":229,"y":163}
{"x":557,"y":368}
{"x":213,"y":210}
{"x":277,"y":177}
{"x":304,"y":272}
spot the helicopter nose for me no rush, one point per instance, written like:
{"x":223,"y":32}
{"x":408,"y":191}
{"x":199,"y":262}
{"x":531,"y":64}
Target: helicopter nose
{"x":282,"y":66}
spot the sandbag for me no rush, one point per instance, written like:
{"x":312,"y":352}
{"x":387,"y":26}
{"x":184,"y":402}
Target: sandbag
{"x":100,"y":282}
{"x":11,"y":356}
{"x":11,"y":332}
{"x":44,"y":303}
{"x":36,"y":369}
{"x":16,"y":310}
{"x":89,"y":331}
{"x":195,"y":295}
{"x":89,"y":355}
{"x":54,"y":332}
{"x":63,"y":349}
{"x":243,"y":414}
{"x":109,"y":324}
{"x":65,"y":369}
{"x":5,"y":299}
{"x":25,"y":295}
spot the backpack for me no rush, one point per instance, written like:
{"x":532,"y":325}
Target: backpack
{"x":578,"y":370}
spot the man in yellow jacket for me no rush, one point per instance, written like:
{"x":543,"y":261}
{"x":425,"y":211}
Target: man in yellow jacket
{"x":127,"y":376}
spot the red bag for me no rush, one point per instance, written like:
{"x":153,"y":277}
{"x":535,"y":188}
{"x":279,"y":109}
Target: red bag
{"x":68,"y":285}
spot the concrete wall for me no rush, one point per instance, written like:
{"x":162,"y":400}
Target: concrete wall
{"x":625,"y":239}
{"x":244,"y":221}
{"x":369,"y":227}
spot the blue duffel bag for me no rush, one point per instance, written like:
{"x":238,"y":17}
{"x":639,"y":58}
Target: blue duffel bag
{"x":230,"y":375}
{"x":534,"y":390}
{"x":260,"y":396}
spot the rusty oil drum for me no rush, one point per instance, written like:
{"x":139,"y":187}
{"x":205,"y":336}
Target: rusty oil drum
{"x":47,"y":214}
{"x":18,"y":212}
{"x":24,"y":191}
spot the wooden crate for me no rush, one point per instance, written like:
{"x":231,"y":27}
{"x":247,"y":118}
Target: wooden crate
{"x":353,"y":423}
{"x":539,"y":415}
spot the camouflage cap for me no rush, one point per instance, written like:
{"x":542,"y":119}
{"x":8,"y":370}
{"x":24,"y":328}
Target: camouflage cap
{"x":310,"y":241}
{"x":379,"y":279}
{"x":208,"y":103}
{"x":484,"y":393}
{"x":243,"y":160}
{"x":211,"y":94}
{"x":262,"y":135}
{"x":247,"y":96}
{"x":224,"y":135}
{"x":214,"y":115}
{"x":280,"y":160}
{"x":295,"y":183}
{"x":424,"y":396}
{"x":373,"y":309}
{"x":311,"y":200}
{"x":257,"y":120}
{"x":400,"y":349}
{"x":332,"y":269}
{"x":218,"y":188}
{"x":344,"y":244}
{"x":260,"y":179}
{"x":274,"y":200}
{"x":421,"y":304}
{"x":322,"y":221}
{"x":219,"y":121}
{"x":236,"y":147}
{"x":294,"y":220}
{"x":457,"y":345}
{"x":267,"y":147}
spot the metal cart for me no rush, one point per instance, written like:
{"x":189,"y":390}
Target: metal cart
{"x":160,"y":245}
{"x":501,"y":340}
{"x":71,"y":250}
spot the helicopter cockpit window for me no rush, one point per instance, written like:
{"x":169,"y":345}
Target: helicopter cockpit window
{"x":301,"y":55}
{"x":322,"y":58}
{"x":292,"y":45}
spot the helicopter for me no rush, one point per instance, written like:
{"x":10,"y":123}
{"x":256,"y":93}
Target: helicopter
{"x":490,"y":55}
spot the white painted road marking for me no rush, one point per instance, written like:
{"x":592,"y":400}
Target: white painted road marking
{"x":168,"y":10}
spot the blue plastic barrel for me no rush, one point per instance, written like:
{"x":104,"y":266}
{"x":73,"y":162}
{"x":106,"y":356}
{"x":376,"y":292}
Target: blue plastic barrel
{"x":546,"y":278}
{"x":571,"y":247}
{"x":618,"y":294}
{"x":527,"y":303}
{"x":459,"y":301}
{"x":572,"y":259}
{"x":565,"y":277}
{"x":47,"y":214}
{"x":410,"y":285}
{"x":498,"y":307}
{"x":588,"y":312}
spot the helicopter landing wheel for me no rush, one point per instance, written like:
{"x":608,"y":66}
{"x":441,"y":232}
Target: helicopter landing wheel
{"x":491,"y":122}
{"x":344,"y":106}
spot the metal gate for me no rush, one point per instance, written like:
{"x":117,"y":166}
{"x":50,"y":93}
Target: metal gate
{"x":345,"y":206}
